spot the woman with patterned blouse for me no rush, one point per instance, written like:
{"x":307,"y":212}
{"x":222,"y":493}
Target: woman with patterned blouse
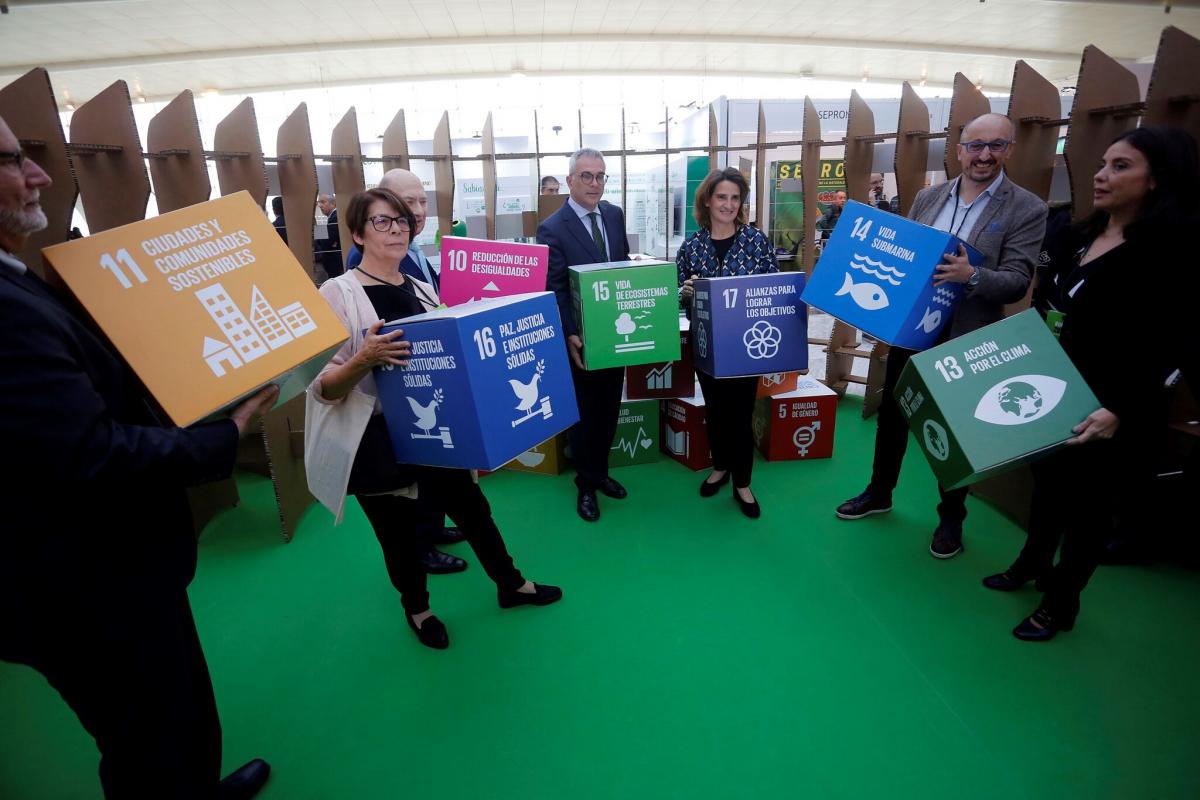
{"x":725,"y":245}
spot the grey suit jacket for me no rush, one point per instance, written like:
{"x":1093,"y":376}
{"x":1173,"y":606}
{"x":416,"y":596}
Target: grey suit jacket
{"x":1009,"y":234}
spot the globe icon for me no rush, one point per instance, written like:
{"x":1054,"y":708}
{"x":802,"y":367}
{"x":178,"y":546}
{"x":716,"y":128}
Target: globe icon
{"x":1021,"y":399}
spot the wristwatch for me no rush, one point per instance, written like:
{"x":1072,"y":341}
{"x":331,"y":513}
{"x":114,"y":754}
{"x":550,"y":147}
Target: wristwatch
{"x":973,"y":281}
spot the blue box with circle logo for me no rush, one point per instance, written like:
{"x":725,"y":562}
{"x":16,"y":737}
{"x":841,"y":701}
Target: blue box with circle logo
{"x":750,"y":325}
{"x":487,"y":381}
{"x":876,"y":273}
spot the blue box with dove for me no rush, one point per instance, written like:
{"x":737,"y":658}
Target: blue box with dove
{"x":750,"y":325}
{"x":876,"y":273}
{"x":486,"y":381}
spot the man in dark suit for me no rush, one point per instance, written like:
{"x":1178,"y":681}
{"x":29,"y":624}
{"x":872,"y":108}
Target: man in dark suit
{"x":587,"y":230}
{"x":1006,"y":224}
{"x":97,"y":547}
{"x":328,"y":250}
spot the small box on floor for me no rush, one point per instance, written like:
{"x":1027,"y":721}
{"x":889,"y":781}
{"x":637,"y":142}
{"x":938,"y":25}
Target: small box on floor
{"x":778,"y":383}
{"x":798,"y":424}
{"x":992,"y":399}
{"x":547,"y":458}
{"x":636,"y":440}
{"x":876,"y":273}
{"x":666,"y":379}
{"x":685,"y":431}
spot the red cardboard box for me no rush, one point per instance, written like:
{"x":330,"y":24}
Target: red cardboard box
{"x":684,"y":431}
{"x":665,"y":379}
{"x":797,"y":424}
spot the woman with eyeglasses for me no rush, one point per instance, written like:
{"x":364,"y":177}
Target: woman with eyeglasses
{"x":725,"y":245}
{"x":1096,"y":275}
{"x":374,"y":291}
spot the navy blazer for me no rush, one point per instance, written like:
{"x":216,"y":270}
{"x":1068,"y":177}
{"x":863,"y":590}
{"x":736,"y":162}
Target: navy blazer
{"x":92,"y":487}
{"x":571,"y":245}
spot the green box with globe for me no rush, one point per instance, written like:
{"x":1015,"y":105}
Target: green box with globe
{"x":627,"y":311}
{"x":992,"y":399}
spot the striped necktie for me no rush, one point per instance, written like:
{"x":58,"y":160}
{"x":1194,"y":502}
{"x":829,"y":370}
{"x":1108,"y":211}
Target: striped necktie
{"x":597,"y":236}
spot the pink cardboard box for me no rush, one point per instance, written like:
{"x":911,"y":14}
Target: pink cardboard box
{"x":477,"y":269}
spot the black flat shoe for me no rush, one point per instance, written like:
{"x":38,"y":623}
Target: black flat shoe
{"x":751,"y":509}
{"x":435,"y":562}
{"x":1007,"y":581}
{"x":542,"y":595}
{"x":245,"y":781}
{"x":709,"y":488}
{"x":587,"y":507}
{"x":1041,"y":626}
{"x":448,"y":536}
{"x":432,"y":632}
{"x":610,"y":488}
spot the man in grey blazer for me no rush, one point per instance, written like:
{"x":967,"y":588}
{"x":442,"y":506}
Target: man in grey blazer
{"x":1006,"y":224}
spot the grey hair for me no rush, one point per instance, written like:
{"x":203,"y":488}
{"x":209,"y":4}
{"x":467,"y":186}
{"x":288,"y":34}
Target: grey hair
{"x":583,"y":152}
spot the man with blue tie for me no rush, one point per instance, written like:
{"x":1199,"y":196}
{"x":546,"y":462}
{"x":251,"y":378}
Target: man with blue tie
{"x":587,"y":230}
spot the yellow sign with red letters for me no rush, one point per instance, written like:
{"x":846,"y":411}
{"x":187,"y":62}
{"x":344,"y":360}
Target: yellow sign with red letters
{"x":206,"y":304}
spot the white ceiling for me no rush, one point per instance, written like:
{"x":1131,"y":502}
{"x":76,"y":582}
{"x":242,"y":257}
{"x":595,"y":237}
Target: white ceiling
{"x":164,"y":46}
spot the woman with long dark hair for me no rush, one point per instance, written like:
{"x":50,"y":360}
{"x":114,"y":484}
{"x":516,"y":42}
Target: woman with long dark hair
{"x":1127,"y":259}
{"x":374,"y":291}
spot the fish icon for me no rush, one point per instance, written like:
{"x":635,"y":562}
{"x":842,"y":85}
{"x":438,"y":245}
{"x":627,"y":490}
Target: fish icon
{"x":868,"y":296}
{"x":931,"y":320}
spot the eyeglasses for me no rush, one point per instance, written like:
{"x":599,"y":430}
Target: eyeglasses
{"x":15,"y":156}
{"x":588,"y":177}
{"x":383,"y":223}
{"x":995,"y":146}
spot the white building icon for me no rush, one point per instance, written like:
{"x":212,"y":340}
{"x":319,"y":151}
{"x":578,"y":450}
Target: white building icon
{"x":659,"y":378}
{"x":266,"y":330}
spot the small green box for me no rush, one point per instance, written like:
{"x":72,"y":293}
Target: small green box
{"x":627,"y":311}
{"x":637,"y":437}
{"x":992,"y":399}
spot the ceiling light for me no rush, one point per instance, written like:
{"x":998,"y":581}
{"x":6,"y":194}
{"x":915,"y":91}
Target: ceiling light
{"x":70,"y":106}
{"x":210,"y":92}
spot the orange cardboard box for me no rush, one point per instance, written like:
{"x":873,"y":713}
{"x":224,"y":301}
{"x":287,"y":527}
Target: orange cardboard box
{"x":206,"y":304}
{"x":777,"y":383}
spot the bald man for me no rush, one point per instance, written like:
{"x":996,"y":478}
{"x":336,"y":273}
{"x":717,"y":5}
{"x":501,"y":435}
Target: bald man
{"x":97,"y":547}
{"x":1006,"y":224}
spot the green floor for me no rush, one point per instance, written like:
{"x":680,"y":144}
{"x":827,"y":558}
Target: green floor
{"x":696,"y":654}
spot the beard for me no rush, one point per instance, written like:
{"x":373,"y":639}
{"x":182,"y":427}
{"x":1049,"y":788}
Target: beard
{"x":22,"y":223}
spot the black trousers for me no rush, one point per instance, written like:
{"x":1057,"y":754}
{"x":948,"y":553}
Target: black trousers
{"x":891,"y":440}
{"x":395,"y":520}
{"x":729,"y":411}
{"x":1073,"y":495}
{"x":598,"y":393}
{"x":135,"y":675}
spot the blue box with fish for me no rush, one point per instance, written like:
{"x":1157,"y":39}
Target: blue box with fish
{"x":750,"y":325}
{"x":486,"y":381}
{"x":876,"y":273}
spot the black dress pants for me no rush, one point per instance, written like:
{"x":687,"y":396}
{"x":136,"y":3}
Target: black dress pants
{"x":598,"y":394}
{"x":729,"y":412}
{"x":891,"y":440}
{"x":1073,"y":493}
{"x":395,"y":520}
{"x":135,"y":675}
